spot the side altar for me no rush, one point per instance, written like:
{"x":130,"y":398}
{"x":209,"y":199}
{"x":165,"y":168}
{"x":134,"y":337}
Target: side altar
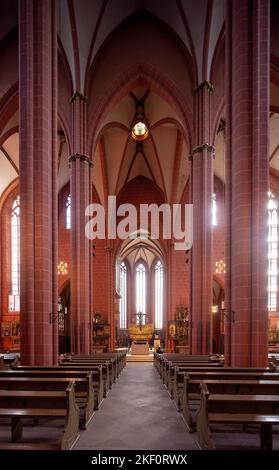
{"x":140,"y":336}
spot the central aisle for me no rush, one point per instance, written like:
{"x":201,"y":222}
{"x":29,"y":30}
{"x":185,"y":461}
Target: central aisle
{"x":137,"y":414}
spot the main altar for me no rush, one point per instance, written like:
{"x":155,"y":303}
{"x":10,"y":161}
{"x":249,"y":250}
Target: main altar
{"x":140,"y":348}
{"x":140,"y":335}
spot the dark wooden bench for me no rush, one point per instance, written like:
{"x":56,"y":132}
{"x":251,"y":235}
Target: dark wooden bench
{"x":262,"y":410}
{"x":161,"y":360}
{"x":191,"y":393}
{"x":21,"y":405}
{"x":166,"y":364}
{"x":102,"y":370}
{"x":97,"y":381}
{"x":120,"y":358}
{"x":171,"y":369}
{"x":83,"y":391}
{"x":109,"y":369}
{"x":178,"y":372}
{"x":112,"y":363}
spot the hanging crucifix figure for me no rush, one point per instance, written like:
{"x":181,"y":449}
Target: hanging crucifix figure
{"x":140,"y":319}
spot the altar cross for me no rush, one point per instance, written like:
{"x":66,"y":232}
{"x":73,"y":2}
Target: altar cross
{"x":140,"y":317}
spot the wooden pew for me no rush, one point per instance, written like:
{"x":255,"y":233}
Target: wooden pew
{"x":97,"y":381}
{"x":83,"y":390}
{"x":236,"y":409}
{"x":113,"y":361}
{"x":19,"y":405}
{"x":177,"y":384}
{"x":168,"y":361}
{"x":171,"y":369}
{"x":119,"y":356}
{"x":109,"y":365}
{"x":191,"y":392}
{"x":160,"y":360}
{"x":92,"y":366}
{"x":100,"y":374}
{"x":102,"y":369}
{"x":120,"y":359}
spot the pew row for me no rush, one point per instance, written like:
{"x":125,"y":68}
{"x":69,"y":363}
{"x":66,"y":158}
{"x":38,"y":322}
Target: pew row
{"x":262,"y":410}
{"x":161,"y":360}
{"x":231,"y":383}
{"x":84,"y":394}
{"x":18,"y":405}
{"x":177,"y":385}
{"x":97,"y":381}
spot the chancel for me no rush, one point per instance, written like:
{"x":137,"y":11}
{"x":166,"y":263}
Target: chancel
{"x":139,"y":198}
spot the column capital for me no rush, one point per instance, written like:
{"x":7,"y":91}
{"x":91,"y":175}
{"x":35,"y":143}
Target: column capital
{"x":202,"y":148}
{"x":81,"y":158}
{"x":204,"y":84}
{"x":79,"y":95}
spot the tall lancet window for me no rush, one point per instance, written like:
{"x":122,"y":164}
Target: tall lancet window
{"x":15,"y":255}
{"x":214,"y":210}
{"x":123,"y":293}
{"x":140,"y":291}
{"x":159,"y":292}
{"x":272,"y":252}
{"x":68,"y":212}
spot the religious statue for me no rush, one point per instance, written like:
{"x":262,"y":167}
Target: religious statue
{"x":140,"y":316}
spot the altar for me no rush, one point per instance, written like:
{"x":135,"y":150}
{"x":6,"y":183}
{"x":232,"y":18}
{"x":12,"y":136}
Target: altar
{"x":140,"y":347}
{"x":140,"y":335}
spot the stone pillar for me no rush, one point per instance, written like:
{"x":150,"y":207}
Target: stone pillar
{"x":111,"y":296}
{"x":80,"y":182}
{"x":201,"y":260}
{"x":169,"y":312}
{"x":38,"y":181}
{"x":247,"y":170}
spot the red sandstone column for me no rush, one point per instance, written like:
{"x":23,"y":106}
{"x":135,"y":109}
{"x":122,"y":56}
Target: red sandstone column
{"x":80,"y":180}
{"x":202,"y":187}
{"x":38,"y":174}
{"x":247,"y":104}
{"x":170,"y":314}
{"x":111,"y":296}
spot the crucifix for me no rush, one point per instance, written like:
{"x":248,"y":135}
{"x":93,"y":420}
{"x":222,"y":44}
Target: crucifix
{"x":140,"y":316}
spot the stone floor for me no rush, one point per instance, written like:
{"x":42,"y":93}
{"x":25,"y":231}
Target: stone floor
{"x":137,"y":414}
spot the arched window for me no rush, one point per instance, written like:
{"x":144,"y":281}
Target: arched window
{"x":68,"y":212}
{"x":15,"y":255}
{"x":214,"y":210}
{"x":159,"y":279}
{"x":272,"y":252}
{"x":123,"y":293}
{"x":140,"y":290}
